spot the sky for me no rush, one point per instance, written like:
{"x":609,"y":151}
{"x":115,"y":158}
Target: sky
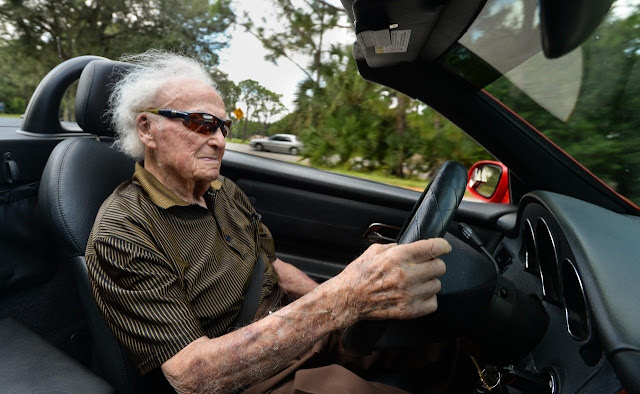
{"x":244,"y":59}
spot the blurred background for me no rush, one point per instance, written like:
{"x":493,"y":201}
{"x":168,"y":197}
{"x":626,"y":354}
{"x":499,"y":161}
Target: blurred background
{"x":282,"y":66}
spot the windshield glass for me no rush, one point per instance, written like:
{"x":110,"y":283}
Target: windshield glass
{"x":587,"y":102}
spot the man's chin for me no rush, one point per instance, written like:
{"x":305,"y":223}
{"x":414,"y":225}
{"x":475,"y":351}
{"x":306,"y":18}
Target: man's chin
{"x":209,"y":176}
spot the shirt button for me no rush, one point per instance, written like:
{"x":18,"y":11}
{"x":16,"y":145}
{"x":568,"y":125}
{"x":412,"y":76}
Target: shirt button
{"x":227,"y":238}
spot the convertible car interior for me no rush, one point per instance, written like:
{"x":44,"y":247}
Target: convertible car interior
{"x":542,"y":288}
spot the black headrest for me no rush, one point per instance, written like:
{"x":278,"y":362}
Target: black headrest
{"x":92,"y":97}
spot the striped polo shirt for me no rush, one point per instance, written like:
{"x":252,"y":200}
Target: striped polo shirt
{"x":165,"y":272}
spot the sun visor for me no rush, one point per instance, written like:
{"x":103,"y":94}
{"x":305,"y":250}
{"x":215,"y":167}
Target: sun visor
{"x":393,"y":32}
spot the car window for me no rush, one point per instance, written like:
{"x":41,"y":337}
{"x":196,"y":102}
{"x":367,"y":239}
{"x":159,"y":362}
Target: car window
{"x":586,"y":102}
{"x":406,"y":158}
{"x":375,"y":150}
{"x":342,"y":122}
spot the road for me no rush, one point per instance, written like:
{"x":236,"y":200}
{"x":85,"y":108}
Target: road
{"x":244,"y":148}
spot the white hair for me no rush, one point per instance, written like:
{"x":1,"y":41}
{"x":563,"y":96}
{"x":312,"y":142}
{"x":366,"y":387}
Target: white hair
{"x":140,"y":87}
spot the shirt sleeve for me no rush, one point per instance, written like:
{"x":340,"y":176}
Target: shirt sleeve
{"x":141,"y":299}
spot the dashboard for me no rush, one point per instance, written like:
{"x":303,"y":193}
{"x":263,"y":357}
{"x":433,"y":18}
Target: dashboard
{"x":580,"y":262}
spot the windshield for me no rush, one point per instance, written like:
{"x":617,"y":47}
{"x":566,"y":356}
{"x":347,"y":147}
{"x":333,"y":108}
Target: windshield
{"x":587,"y":102}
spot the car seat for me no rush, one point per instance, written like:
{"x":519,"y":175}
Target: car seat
{"x":80,"y":174}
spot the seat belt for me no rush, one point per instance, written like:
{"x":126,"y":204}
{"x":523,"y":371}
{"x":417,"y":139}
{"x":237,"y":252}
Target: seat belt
{"x":251,"y":297}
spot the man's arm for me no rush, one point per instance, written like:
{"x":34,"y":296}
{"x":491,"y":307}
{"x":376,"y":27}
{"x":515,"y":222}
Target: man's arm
{"x":293,"y":281}
{"x":386,"y":282}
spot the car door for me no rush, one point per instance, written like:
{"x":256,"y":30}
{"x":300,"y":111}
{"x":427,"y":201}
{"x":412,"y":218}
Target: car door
{"x":317,"y":218}
{"x":275,"y":143}
{"x":284,"y":144}
{"x":269,"y":143}
{"x":34,"y":289}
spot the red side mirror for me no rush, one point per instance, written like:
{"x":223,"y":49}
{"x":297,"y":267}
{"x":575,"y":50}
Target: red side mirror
{"x":489,"y":182}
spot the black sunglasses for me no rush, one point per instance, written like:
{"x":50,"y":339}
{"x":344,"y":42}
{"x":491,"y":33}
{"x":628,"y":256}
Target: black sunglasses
{"x":200,"y":122}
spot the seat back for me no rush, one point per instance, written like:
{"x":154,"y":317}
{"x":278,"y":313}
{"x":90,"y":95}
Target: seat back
{"x":79,"y":175}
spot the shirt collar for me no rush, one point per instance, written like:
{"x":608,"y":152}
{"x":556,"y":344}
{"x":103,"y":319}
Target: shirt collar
{"x":157,"y":192}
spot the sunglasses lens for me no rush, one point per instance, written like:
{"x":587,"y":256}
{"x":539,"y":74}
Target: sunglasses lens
{"x":226,"y":128}
{"x":206,"y":124}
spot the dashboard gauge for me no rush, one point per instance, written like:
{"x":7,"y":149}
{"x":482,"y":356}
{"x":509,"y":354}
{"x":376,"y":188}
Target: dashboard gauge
{"x":548,"y":262}
{"x":530,"y":252}
{"x":575,"y":302}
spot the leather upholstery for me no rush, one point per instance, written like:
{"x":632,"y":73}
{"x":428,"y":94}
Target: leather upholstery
{"x":79,"y":175}
{"x":42,"y":115}
{"x":92,"y":97}
{"x":437,"y":205}
{"x":30,"y":364}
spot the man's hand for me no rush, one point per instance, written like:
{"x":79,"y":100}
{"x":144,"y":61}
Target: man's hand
{"x":385,"y":282}
{"x":394,"y":281}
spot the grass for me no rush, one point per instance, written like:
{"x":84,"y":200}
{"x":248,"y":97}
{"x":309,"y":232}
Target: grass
{"x":413,"y":184}
{"x":9,"y":115}
{"x":379,"y":176}
{"x":376,"y":176}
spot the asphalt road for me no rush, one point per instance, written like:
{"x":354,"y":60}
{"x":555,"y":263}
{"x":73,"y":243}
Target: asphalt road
{"x":244,"y":148}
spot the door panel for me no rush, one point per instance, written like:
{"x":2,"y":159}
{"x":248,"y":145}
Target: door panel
{"x":26,"y":258}
{"x":35,"y":289}
{"x":317,"y":218}
{"x":317,"y":232}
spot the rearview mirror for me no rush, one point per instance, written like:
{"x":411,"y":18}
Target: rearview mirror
{"x":565,"y":25}
{"x":489,"y":182}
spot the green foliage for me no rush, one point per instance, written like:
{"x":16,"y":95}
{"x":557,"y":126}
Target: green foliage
{"x":259,"y":105}
{"x":602,"y":131}
{"x":357,"y":125}
{"x":16,"y":105}
{"x":56,"y":30}
{"x":229,"y":91}
{"x":344,"y":121}
{"x":245,"y":129}
{"x":35,"y":36}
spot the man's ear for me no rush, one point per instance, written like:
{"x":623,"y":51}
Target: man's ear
{"x":143,"y":128}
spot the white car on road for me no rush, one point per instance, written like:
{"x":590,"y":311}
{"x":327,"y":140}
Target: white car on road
{"x":283,"y":143}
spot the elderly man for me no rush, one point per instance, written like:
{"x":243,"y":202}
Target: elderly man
{"x":173,"y":249}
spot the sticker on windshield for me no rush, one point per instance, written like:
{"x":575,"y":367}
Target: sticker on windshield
{"x":399,"y":42}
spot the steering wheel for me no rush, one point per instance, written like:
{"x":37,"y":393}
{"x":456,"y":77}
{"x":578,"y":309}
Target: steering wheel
{"x":437,"y":205}
{"x":430,"y":218}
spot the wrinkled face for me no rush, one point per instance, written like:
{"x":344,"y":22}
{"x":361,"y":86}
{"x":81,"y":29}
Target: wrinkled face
{"x":182,"y":154}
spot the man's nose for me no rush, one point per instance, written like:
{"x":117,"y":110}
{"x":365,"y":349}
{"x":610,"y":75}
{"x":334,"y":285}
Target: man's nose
{"x":217,"y":139}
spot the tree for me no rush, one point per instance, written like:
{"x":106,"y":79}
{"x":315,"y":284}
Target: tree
{"x":303,"y":26}
{"x":40,"y":34}
{"x":601,"y":132}
{"x":364,"y":126}
{"x":229,"y":91}
{"x":260,"y":104}
{"x":345,"y":120}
